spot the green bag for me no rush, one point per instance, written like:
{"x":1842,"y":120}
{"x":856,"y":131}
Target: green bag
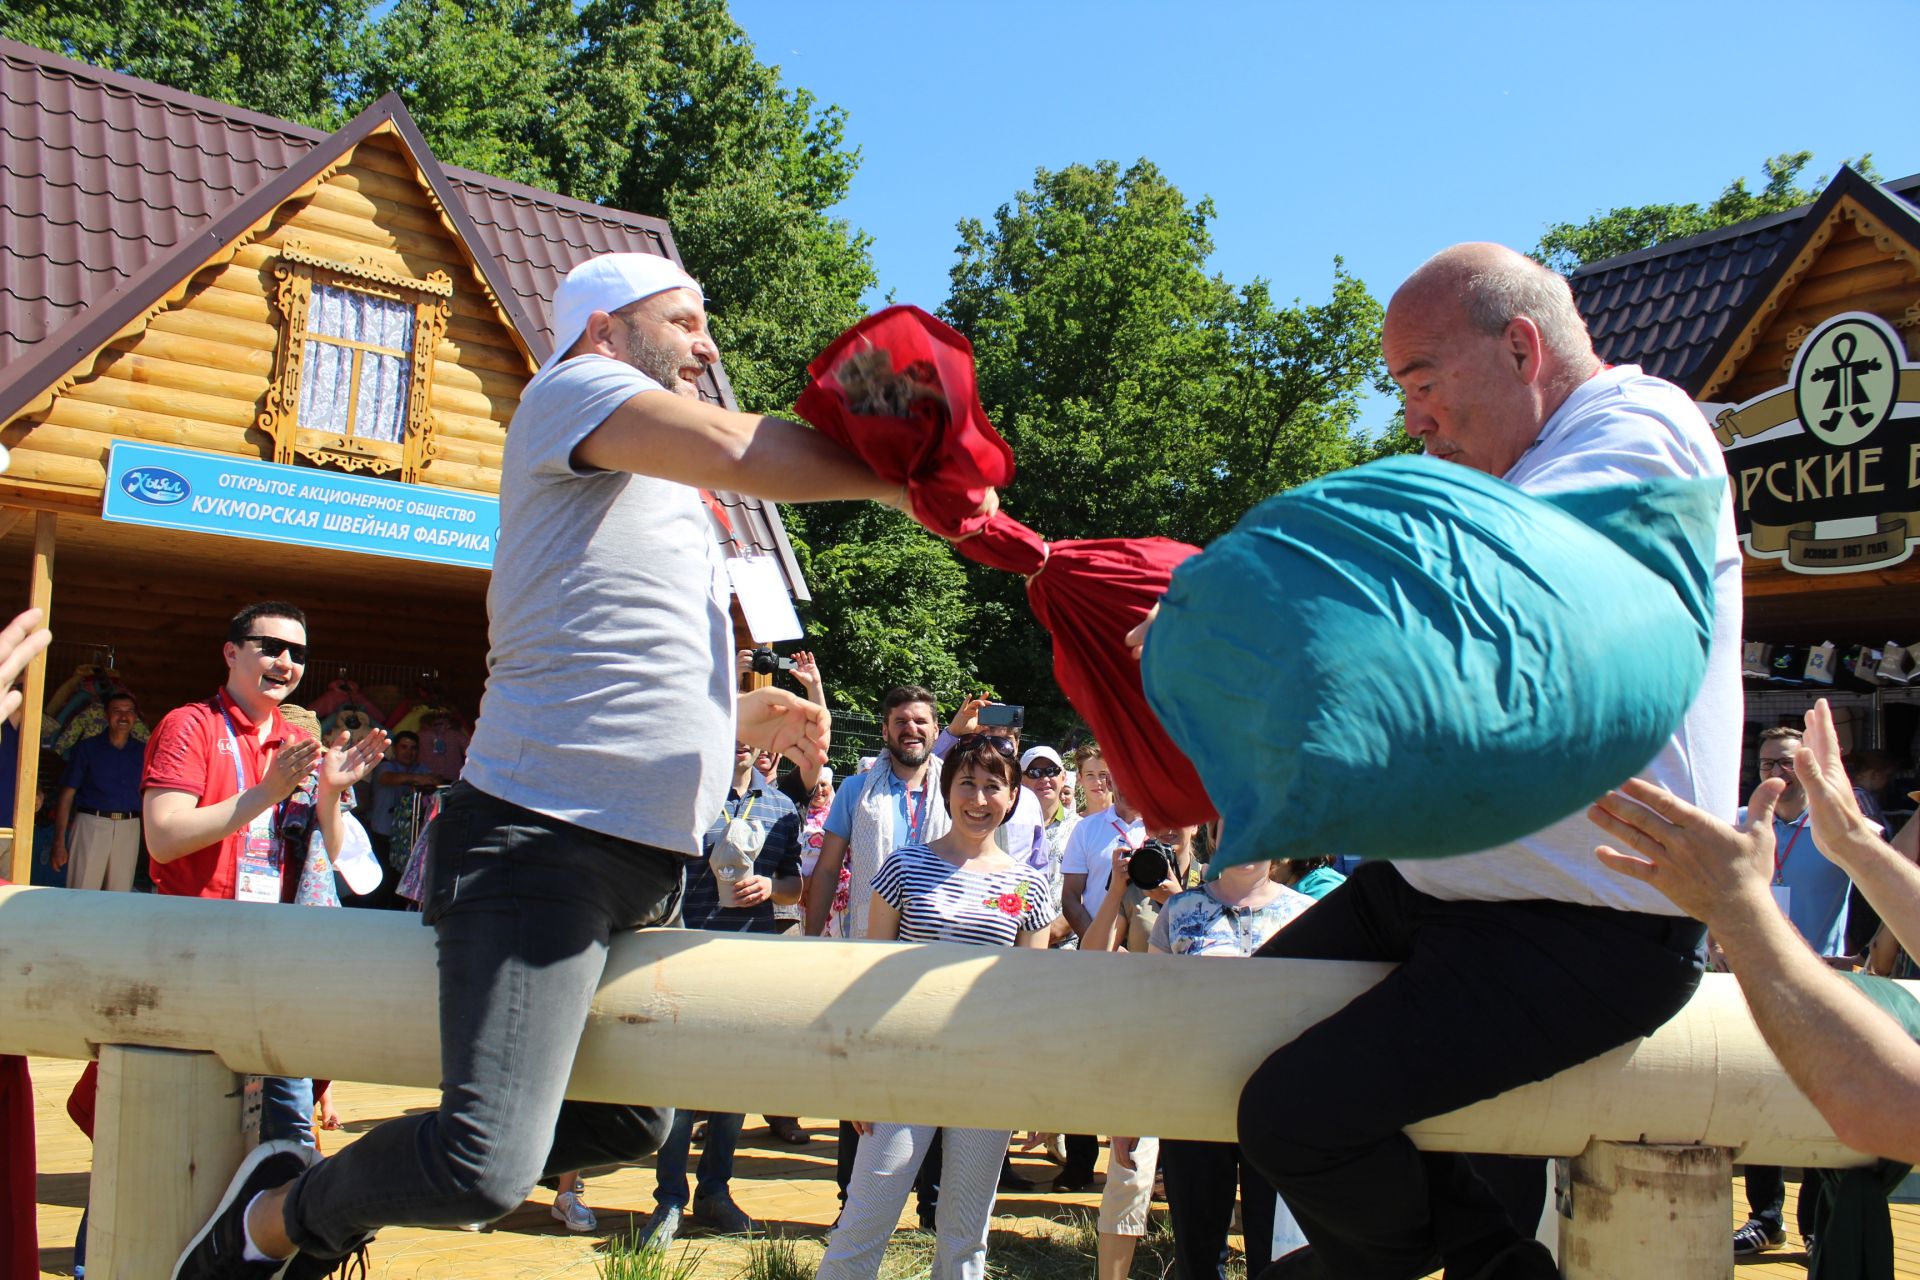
{"x":1413,"y":659}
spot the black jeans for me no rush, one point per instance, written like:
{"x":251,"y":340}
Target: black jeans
{"x":1488,"y":996}
{"x":1083,"y":1149}
{"x":524,"y":906}
{"x":1202,"y":1180}
{"x":1767,"y":1200}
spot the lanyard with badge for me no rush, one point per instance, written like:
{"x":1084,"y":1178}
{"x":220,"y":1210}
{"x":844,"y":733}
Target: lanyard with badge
{"x":257,"y":870}
{"x":1782,"y":892}
{"x":916,"y":818}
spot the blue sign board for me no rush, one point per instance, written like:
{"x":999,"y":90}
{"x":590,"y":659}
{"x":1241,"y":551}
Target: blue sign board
{"x":213,"y":493}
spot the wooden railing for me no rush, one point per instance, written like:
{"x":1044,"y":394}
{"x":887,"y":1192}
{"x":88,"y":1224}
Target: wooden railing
{"x":175,"y":996}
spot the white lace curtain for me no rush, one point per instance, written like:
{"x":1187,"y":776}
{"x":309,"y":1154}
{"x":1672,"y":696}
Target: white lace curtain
{"x":329,"y":391}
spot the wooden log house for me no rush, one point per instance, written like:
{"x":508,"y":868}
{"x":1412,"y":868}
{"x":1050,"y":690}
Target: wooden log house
{"x":255,"y":295}
{"x":1799,"y":335}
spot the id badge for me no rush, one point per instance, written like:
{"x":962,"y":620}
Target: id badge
{"x":257,"y":871}
{"x":1783,"y":898}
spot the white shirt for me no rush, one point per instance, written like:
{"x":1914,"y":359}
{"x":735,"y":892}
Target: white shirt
{"x":1617,"y":427}
{"x":1090,"y":852}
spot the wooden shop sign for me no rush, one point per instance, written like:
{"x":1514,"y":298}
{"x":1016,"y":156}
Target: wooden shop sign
{"x":1826,"y":469}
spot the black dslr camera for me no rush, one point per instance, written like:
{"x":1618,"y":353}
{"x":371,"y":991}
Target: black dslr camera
{"x":766,"y":662}
{"x":1151,"y":864}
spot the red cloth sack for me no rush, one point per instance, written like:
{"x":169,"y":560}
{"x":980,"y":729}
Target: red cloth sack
{"x":898,"y":390}
{"x":1088,"y":593}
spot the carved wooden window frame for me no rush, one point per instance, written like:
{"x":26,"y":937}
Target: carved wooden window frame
{"x":297,"y":271}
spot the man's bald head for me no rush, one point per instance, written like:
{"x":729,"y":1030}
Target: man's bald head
{"x":1492,"y":285}
{"x":1485,"y":344}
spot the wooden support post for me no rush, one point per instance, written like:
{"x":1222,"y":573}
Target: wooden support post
{"x":27,"y":776}
{"x":1646,"y":1210}
{"x":166,"y":1140}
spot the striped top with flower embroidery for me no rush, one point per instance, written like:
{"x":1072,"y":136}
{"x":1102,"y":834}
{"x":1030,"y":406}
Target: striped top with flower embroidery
{"x":938,"y":902}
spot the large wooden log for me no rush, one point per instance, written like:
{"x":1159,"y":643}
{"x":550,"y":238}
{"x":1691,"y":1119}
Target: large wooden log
{"x":854,"y":1029}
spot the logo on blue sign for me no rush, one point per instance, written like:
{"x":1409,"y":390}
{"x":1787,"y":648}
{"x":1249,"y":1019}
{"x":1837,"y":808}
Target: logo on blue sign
{"x":156,"y":486}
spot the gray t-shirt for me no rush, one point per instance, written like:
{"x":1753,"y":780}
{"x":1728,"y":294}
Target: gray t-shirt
{"x":610,"y":696}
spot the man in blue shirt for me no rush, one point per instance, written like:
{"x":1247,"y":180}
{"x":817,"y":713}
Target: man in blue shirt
{"x":765,"y":825}
{"x":1812,"y":892}
{"x":97,"y":823}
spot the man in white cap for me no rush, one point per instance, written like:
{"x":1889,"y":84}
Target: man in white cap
{"x":604,"y":748}
{"x":1044,"y":774}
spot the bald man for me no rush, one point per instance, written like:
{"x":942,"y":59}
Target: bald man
{"x":1515,"y":962}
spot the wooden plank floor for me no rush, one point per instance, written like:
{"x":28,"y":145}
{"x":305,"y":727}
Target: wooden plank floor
{"x":789,"y":1190}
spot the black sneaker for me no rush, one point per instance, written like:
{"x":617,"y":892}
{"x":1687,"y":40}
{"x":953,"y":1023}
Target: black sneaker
{"x":218,"y":1252}
{"x":351,"y":1265}
{"x":1753,"y":1239}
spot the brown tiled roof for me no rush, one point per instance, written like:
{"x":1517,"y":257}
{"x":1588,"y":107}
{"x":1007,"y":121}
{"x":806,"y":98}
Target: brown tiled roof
{"x":112,"y":189}
{"x":1669,"y":307}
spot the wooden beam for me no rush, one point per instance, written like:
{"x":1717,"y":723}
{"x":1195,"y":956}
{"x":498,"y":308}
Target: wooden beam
{"x":166,"y":1138}
{"x":27,"y":777}
{"x":882,"y":1031}
{"x":10,"y":518}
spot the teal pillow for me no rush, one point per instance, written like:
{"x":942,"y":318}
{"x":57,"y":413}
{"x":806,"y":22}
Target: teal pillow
{"x":1413,"y":659}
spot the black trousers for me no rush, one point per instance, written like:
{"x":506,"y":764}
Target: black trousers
{"x":1202,"y":1180}
{"x":1083,"y":1150}
{"x":1767,"y":1198}
{"x":1488,"y":996}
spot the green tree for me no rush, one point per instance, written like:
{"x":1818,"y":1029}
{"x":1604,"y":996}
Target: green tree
{"x":296,"y":59}
{"x":1142,"y":395}
{"x":891,"y":602}
{"x":1567,"y":246}
{"x":660,"y":107}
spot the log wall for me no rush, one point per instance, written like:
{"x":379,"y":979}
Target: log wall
{"x":197,"y":375}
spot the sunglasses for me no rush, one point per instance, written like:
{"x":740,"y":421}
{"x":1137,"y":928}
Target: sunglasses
{"x":1039,"y":771}
{"x":274,"y":646}
{"x":1003,"y":745}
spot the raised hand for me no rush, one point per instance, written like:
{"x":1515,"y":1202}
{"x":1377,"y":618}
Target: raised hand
{"x":967,"y":719}
{"x":1839,"y":828}
{"x":1700,"y":863}
{"x":20,"y":643}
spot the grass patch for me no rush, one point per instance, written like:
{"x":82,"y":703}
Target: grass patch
{"x":777,"y":1257}
{"x":627,"y":1259}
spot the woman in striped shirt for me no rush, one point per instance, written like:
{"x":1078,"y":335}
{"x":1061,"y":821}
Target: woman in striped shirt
{"x":959,"y":888}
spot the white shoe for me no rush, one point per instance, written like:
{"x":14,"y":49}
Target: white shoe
{"x":568,"y":1209}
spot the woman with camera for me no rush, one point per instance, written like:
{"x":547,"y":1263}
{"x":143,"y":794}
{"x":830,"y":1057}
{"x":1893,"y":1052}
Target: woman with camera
{"x":1230,"y":915}
{"x":959,"y":888}
{"x":1141,"y":882}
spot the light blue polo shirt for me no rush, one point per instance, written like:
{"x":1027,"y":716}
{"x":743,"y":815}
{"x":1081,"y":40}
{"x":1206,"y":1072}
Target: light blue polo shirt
{"x":1818,"y":908}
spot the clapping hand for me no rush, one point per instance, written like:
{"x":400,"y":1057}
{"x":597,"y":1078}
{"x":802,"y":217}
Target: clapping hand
{"x":341,"y":769}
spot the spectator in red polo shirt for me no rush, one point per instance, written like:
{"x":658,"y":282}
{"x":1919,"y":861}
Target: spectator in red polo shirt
{"x":217,"y":776}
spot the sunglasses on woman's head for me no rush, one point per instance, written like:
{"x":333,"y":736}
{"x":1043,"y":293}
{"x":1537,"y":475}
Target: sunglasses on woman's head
{"x":1003,"y":745}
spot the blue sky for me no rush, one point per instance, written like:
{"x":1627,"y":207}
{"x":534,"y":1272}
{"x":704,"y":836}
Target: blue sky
{"x":1376,"y":131}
